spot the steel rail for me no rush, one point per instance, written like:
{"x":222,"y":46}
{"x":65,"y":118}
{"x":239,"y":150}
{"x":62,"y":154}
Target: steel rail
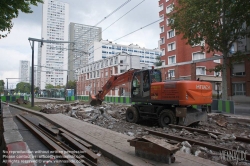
{"x":85,"y":160}
{"x":55,"y":146}
{"x":242,"y":139}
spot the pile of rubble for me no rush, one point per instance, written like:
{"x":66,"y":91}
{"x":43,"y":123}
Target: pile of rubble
{"x":112,"y":116}
{"x":87,"y":112}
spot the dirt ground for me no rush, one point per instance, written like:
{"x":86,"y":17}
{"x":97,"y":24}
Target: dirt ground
{"x":112,"y":116}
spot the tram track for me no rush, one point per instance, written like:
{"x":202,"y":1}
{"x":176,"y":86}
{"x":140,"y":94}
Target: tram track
{"x":77,"y":157}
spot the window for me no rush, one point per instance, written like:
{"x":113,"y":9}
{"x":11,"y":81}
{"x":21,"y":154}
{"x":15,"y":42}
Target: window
{"x":171,"y":59}
{"x":171,"y":46}
{"x":163,"y":52}
{"x":161,"y":16}
{"x":239,"y":69}
{"x":233,"y":49}
{"x":162,"y":40}
{"x":198,"y":55}
{"x":169,"y":8}
{"x":171,"y":73}
{"x":169,"y":20}
{"x":162,"y":29}
{"x":171,"y":33}
{"x":200,"y":71}
{"x":217,"y":86}
{"x":217,"y":60}
{"x":202,"y":43}
{"x":239,"y":89}
{"x":217,"y":74}
{"x":161,"y":7}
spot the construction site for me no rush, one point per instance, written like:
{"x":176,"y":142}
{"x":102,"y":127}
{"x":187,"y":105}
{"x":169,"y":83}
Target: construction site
{"x":167,"y":123}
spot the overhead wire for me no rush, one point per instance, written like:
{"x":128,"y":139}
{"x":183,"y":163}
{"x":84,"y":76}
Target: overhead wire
{"x":126,"y":35}
{"x":104,"y":18}
{"x":110,"y":26}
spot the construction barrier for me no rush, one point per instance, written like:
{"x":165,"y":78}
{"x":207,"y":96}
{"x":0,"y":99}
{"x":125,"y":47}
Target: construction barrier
{"x":13,"y":98}
{"x":226,"y":106}
{"x":217,"y":105}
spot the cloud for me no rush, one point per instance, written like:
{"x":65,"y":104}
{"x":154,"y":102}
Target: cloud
{"x":16,"y":46}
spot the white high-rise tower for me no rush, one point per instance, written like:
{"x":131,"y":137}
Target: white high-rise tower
{"x":53,"y":57}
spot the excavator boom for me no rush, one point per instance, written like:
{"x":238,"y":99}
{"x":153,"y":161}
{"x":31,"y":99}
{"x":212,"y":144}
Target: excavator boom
{"x":114,"y":80}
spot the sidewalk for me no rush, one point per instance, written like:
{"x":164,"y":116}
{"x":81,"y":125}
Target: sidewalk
{"x":242,"y":108}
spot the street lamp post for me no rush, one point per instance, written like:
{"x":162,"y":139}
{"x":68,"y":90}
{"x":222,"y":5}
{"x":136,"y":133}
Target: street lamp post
{"x":32,"y":66}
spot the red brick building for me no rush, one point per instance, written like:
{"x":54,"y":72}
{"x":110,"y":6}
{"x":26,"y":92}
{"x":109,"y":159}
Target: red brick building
{"x":92,"y":77}
{"x":239,"y":81}
{"x":175,"y":50}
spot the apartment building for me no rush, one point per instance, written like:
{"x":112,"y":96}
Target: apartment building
{"x":82,"y":35}
{"x":239,"y":73}
{"x":175,"y":51}
{"x":104,"y":48}
{"x":53,"y":57}
{"x":24,"y":71}
{"x":93,"y":76}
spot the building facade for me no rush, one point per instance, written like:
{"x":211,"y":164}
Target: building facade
{"x":175,"y":51}
{"x":103,"y":49}
{"x":24,"y":71}
{"x":53,"y":57}
{"x":239,"y":73}
{"x":82,"y":35}
{"x":93,"y":76}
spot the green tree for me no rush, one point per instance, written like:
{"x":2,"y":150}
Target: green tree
{"x":49,"y":86}
{"x":23,"y":87}
{"x":1,"y":86}
{"x":36,"y":90}
{"x":158,"y":61}
{"x":219,"y":22}
{"x":9,"y":9}
{"x":71,"y":85}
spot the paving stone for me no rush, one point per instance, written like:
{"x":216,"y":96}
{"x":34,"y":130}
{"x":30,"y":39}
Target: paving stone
{"x":12,"y":136}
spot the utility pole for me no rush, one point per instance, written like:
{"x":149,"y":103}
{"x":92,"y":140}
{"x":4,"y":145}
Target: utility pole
{"x":32,"y":67}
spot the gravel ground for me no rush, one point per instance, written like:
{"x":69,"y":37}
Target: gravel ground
{"x":112,"y":116}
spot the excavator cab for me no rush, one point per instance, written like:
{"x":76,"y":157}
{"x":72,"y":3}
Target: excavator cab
{"x":141,"y":83}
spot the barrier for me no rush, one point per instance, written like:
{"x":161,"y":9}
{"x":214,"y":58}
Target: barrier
{"x":226,"y":106}
{"x":13,"y":98}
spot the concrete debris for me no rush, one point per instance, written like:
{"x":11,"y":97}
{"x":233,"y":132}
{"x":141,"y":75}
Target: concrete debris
{"x":112,"y":116}
{"x":174,"y":130}
{"x":185,"y":143}
{"x":110,"y":126}
{"x":99,"y":154}
{"x":221,"y":123}
{"x":212,"y":135}
{"x":196,"y":153}
{"x":229,"y":137}
{"x":204,"y":149}
{"x":130,"y":134}
{"x":185,"y":149}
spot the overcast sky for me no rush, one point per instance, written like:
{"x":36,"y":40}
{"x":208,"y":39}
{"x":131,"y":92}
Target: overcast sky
{"x":16,"y":46}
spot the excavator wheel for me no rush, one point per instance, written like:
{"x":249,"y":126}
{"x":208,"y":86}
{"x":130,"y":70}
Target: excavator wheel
{"x":166,"y":117}
{"x":132,"y":115}
{"x":95,"y":102}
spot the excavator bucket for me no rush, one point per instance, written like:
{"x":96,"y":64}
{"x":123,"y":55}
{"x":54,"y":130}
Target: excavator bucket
{"x":94,"y":101}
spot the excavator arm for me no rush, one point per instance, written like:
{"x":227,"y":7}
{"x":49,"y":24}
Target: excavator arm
{"x":114,"y":80}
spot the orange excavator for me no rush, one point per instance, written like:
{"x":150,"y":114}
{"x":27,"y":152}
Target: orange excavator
{"x":168,"y":102}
